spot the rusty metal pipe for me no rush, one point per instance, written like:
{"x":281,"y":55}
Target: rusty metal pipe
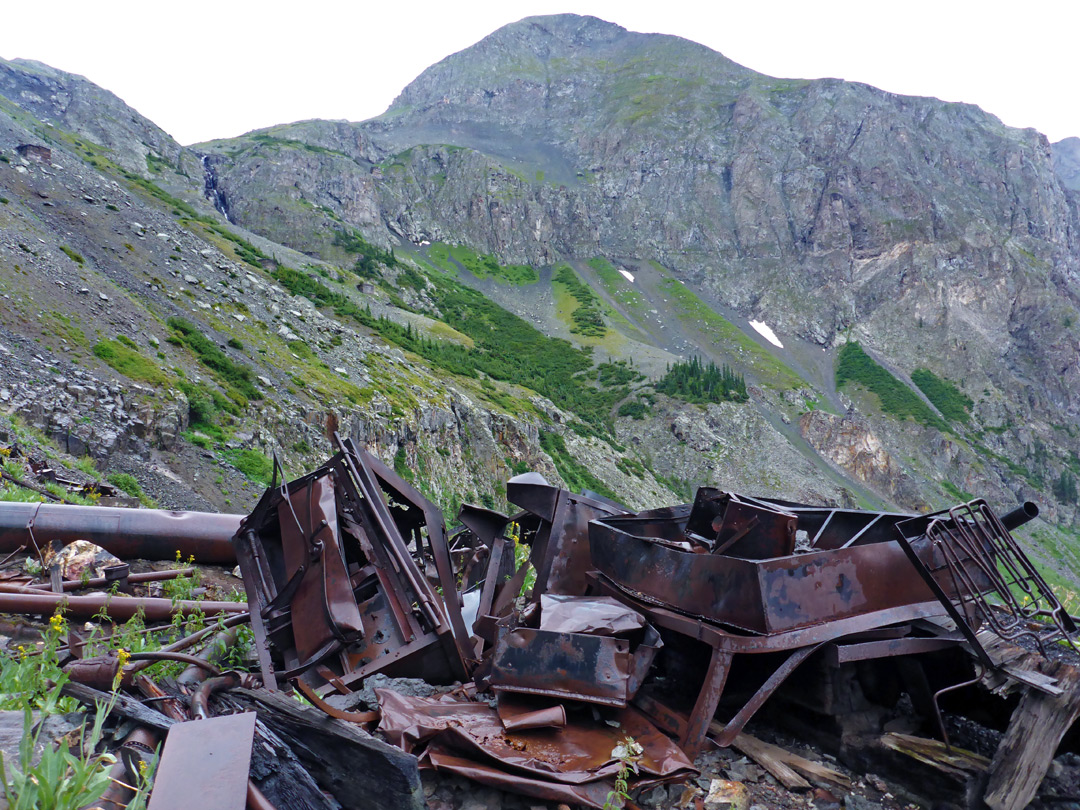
{"x":119,"y":607}
{"x":194,"y":638}
{"x":147,"y":534}
{"x":134,"y":579}
{"x":256,"y":800}
{"x":162,"y":655}
{"x":1020,"y":515}
{"x":200,"y":698}
{"x":216,"y":649}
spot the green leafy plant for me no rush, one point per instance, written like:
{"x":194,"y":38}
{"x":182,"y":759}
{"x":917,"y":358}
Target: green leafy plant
{"x":60,"y":780}
{"x":627,"y":752}
{"x":236,"y":375}
{"x":128,"y":484}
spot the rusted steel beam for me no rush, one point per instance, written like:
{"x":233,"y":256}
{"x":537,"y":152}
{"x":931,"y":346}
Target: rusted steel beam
{"x":148,"y":534}
{"x":119,"y":607}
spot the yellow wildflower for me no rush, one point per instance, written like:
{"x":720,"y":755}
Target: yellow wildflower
{"x":122,"y":657}
{"x":57,"y":623}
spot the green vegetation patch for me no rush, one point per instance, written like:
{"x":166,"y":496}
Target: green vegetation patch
{"x":856,"y":366}
{"x":575,"y":474}
{"x":587,"y":317}
{"x":694,"y":312}
{"x":368,"y":256}
{"x":618,"y":287}
{"x":694,"y":381}
{"x":953,"y":403}
{"x":71,"y":254}
{"x":130,"y":363}
{"x":255,"y":465}
{"x":958,"y":495}
{"x":487,"y":266}
{"x":505,"y":346}
{"x":233,"y":374}
{"x":128,"y":484}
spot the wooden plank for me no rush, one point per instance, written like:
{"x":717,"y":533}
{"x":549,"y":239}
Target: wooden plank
{"x":952,"y":761}
{"x":1038,"y":723}
{"x":783,"y":764}
{"x":121,"y":705}
{"x":358,"y":769}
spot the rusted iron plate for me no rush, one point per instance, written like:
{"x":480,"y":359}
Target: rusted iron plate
{"x":569,"y":665}
{"x":148,"y":534}
{"x":585,"y":648}
{"x":205,"y":763}
{"x":739,"y":528}
{"x":716,"y":636}
{"x":759,"y":596}
{"x":842,"y":653}
{"x":323,"y":606}
{"x":560,"y":550}
{"x":577,"y":754}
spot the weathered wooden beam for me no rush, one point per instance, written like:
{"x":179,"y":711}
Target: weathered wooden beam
{"x":1038,"y":723}
{"x":120,"y":704}
{"x":358,"y":769}
{"x":957,"y":763}
{"x":783,"y":764}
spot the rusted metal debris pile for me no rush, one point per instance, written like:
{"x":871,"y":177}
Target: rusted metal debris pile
{"x":639,"y":629}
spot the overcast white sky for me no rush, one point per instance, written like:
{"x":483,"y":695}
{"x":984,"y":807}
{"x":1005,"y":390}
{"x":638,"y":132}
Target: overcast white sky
{"x":205,"y":70}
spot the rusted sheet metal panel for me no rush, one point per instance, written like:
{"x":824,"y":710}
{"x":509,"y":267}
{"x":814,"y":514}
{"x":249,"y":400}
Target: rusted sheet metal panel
{"x":760,"y":596}
{"x":586,"y":648}
{"x":740,"y":528}
{"x":323,"y":606}
{"x":205,"y":763}
{"x":572,"y":763}
{"x":824,"y":586}
{"x":568,"y":665}
{"x":130,"y":534}
{"x":561,"y":549}
{"x":721,"y":588}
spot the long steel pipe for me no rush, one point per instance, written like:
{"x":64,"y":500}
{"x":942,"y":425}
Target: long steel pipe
{"x":120,"y":608}
{"x":130,"y":534}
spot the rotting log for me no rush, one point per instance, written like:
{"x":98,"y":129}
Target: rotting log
{"x":358,"y":769}
{"x":130,"y":534}
{"x":1038,"y":724}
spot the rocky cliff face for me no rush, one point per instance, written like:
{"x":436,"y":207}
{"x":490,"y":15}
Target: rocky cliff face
{"x":687,"y":194}
{"x":928,"y":231}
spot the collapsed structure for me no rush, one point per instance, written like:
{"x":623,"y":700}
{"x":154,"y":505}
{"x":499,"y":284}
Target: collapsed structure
{"x":577,"y":626}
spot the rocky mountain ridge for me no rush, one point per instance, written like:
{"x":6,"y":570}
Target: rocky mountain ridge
{"x":685,"y":194}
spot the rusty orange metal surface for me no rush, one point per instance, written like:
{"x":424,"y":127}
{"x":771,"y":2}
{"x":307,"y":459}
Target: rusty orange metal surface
{"x":556,"y":764}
